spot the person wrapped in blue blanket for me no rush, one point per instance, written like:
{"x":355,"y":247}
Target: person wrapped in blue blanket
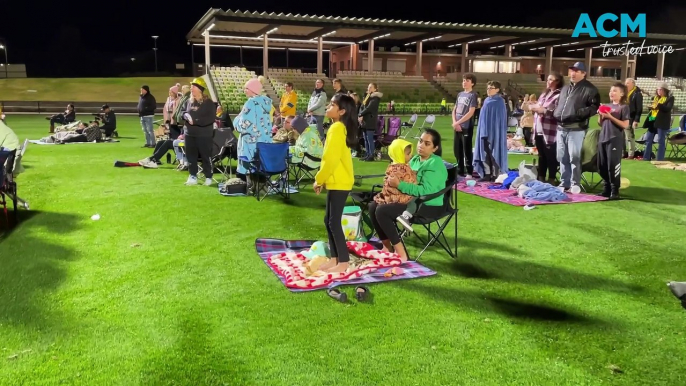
{"x":490,"y":150}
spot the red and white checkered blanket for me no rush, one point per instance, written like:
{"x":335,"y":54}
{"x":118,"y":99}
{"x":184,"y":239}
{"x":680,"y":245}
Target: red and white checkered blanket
{"x":292,"y":267}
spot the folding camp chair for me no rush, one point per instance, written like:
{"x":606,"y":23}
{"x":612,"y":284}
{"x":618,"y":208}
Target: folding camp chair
{"x":427,"y":124}
{"x":301,"y":170}
{"x":270,"y":160}
{"x":677,"y":146}
{"x":363,"y":199}
{"x":409,"y":125}
{"x":386,"y":138}
{"x":8,"y":188}
{"x":449,"y":211}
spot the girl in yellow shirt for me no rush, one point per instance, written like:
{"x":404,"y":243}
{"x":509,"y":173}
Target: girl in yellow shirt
{"x":336,"y":175}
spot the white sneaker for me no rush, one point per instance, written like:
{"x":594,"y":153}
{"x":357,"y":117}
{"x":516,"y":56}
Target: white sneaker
{"x":405,"y":221}
{"x":192,"y":180}
{"x":208,"y":182}
{"x":150,"y":164}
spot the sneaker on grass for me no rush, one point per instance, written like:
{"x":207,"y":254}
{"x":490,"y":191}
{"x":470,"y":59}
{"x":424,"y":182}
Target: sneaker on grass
{"x":148,"y":163}
{"x":192,"y":180}
{"x":208,"y":182}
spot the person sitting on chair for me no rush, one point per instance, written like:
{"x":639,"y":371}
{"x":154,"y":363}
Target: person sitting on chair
{"x":68,"y":116}
{"x":431,"y":178}
{"x":8,"y":139}
{"x":286,"y":133}
{"x":308,"y":142}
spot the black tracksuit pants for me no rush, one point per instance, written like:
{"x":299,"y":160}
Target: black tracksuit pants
{"x":610,"y":161}
{"x":462,"y":148}
{"x":199,"y":147}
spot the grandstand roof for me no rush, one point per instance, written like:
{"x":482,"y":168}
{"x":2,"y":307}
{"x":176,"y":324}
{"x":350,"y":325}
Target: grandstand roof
{"x":295,"y":30}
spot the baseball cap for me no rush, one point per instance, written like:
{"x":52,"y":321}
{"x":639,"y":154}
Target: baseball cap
{"x":579,"y":66}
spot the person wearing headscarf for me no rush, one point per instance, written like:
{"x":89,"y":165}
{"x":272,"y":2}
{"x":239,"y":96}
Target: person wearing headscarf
{"x":308,"y":142}
{"x":253,"y":124}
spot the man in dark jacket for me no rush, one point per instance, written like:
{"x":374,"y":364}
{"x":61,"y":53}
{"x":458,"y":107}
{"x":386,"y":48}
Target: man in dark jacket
{"x":635,"y":99}
{"x":579,"y":101}
{"x":109,"y":121}
{"x":146,"y":111}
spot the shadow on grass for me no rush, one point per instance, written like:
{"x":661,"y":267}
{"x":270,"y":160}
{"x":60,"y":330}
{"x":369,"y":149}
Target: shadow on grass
{"x":195,"y":359}
{"x":654,"y":195}
{"x":31,"y":265}
{"x":511,"y":308}
{"x":475,"y":260}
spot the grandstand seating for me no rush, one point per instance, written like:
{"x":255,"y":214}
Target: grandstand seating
{"x":303,"y":83}
{"x":394,"y":86}
{"x":229,"y":83}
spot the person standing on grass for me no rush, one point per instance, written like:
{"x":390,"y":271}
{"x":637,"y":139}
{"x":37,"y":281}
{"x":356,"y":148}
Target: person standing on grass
{"x":579,"y":101}
{"x":490,"y":155}
{"x":463,"y":125}
{"x":611,"y":141}
{"x":545,"y":128}
{"x":199,"y":116}
{"x":635,"y":101}
{"x":369,"y":118}
{"x":658,"y":122}
{"x":146,"y":111}
{"x":316,"y":108}
{"x":336,"y":175}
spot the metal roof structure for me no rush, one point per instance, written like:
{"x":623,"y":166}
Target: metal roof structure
{"x":246,"y":28}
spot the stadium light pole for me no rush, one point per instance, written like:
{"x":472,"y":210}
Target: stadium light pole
{"x":4,"y":48}
{"x":155,"y":49}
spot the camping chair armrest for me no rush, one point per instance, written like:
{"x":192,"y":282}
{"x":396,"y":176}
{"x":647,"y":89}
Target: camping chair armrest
{"x":422,"y":199}
{"x":311,"y":157}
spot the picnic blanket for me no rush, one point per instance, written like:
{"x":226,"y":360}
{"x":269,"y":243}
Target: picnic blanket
{"x":38,"y":142}
{"x":286,"y":260}
{"x":509,"y":196}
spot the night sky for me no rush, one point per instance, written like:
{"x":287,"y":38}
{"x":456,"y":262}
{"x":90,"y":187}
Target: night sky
{"x":102,"y":37}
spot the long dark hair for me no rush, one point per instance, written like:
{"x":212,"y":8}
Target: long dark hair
{"x":436,"y":140}
{"x":349,"y":118}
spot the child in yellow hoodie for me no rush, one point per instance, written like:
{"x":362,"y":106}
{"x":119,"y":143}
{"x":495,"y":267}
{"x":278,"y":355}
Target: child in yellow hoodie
{"x":400,"y":152}
{"x":336,"y":175}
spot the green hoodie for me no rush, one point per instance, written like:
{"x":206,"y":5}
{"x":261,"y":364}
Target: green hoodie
{"x":431,"y":178}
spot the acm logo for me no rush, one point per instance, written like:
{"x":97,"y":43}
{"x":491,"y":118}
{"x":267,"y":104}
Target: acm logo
{"x":584,"y":26}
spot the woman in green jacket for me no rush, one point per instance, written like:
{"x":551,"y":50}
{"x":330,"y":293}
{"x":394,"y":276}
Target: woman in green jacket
{"x":431,"y":178}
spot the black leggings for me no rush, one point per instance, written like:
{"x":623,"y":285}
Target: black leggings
{"x":161,"y":148}
{"x":383,"y":218}
{"x":335,"y":202}
{"x":547,"y":158}
{"x":462,"y":148}
{"x":199,"y":146}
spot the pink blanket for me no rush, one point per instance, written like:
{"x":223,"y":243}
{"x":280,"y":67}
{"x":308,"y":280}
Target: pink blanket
{"x":508,"y":196}
{"x":293,"y":267}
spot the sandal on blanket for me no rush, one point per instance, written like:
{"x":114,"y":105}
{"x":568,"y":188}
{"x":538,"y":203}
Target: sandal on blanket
{"x":361,"y":295}
{"x":338,"y":295}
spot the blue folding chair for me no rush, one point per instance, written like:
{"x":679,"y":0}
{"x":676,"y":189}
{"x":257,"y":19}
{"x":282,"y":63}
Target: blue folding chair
{"x":270,"y":161}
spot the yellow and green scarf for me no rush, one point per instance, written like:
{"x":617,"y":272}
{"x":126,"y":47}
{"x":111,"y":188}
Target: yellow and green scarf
{"x":653,"y":109}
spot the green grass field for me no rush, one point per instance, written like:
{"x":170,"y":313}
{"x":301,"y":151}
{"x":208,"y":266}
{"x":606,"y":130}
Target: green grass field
{"x":85,"y":89}
{"x":167,"y":289}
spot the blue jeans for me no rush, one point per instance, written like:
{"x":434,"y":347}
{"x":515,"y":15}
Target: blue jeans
{"x":179,"y":154}
{"x":569,"y":143}
{"x":146,"y":124}
{"x":369,"y":144}
{"x":661,"y":144}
